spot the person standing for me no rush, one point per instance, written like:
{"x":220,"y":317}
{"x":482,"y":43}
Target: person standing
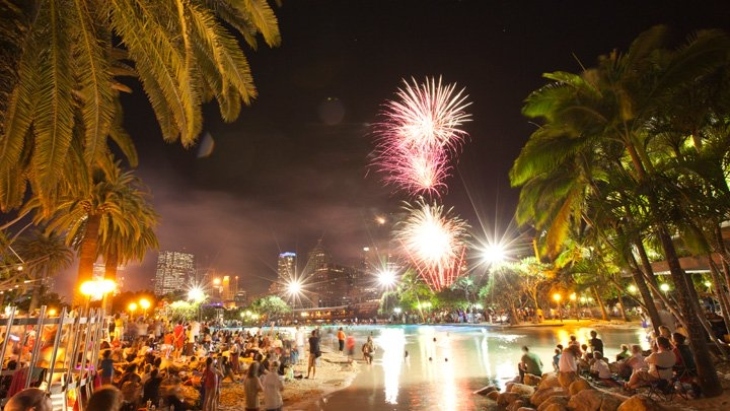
{"x":210,"y":385}
{"x":273,"y":386}
{"x":341,"y":339}
{"x":595,"y":343}
{"x":299,"y":338}
{"x":314,"y":352}
{"x":350,"y":345}
{"x":252,"y":386}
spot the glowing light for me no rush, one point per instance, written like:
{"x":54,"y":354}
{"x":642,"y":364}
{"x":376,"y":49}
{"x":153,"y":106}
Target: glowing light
{"x":132,"y":307}
{"x":433,"y":239}
{"x":96,"y":289}
{"x":708,"y":284}
{"x":387,"y":278}
{"x":664,"y":287}
{"x":632,"y":289}
{"x":493,"y":254}
{"x":196,"y":294}
{"x":419,"y":134}
{"x":557,"y":297}
{"x":572,"y":297}
{"x":144,"y":303}
{"x":294,"y":288}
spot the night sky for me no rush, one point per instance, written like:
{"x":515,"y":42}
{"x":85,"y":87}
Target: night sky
{"x":293,"y":168}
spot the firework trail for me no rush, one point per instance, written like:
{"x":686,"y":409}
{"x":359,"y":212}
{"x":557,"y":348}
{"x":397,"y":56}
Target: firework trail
{"x":419,"y":135}
{"x":434,"y":241}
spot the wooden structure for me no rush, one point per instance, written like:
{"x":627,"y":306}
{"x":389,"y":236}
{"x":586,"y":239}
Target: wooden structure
{"x":59,"y":354}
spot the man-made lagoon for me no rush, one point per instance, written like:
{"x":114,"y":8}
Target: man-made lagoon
{"x":425,"y":367}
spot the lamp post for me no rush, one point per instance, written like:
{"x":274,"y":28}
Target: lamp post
{"x":96,"y":290}
{"x":132,"y":308}
{"x":145,"y":304}
{"x":665,"y":289}
{"x":557,"y":297}
{"x":573,"y":297}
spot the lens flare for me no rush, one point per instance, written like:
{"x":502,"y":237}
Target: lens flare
{"x":419,"y":134}
{"x":434,"y":241}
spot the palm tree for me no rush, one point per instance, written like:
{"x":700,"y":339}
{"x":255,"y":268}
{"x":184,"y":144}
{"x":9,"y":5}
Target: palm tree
{"x":49,"y":255}
{"x":613,"y":107}
{"x":64,"y":63}
{"x":105,"y":221}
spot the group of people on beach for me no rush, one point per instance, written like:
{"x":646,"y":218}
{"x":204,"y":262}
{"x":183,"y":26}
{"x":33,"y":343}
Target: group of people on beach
{"x":668,"y":361}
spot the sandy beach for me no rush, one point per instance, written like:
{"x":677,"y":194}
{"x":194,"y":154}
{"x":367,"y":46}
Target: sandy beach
{"x":333,"y":373}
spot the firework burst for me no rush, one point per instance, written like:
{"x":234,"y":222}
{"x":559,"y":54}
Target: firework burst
{"x":434,"y":241}
{"x":419,"y":134}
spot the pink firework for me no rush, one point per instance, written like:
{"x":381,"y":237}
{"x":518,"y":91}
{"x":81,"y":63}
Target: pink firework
{"x":418,"y":135}
{"x":434,"y":241}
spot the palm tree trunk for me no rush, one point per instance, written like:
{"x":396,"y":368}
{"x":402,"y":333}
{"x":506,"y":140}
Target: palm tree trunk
{"x":621,"y":302}
{"x":706,"y":373}
{"x":87,"y":255}
{"x":722,"y":297}
{"x":599,"y":301}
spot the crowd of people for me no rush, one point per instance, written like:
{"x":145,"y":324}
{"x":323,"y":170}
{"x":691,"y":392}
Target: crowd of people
{"x":669,"y":361}
{"x":153,"y":363}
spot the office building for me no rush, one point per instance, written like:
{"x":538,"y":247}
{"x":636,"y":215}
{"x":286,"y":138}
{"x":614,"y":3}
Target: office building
{"x":173,"y":270}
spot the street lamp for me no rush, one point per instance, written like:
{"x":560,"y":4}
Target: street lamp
{"x":665,"y":288}
{"x":96,"y":289}
{"x":632,"y":289}
{"x":145,"y":304}
{"x":557,"y":297}
{"x":132,"y":308}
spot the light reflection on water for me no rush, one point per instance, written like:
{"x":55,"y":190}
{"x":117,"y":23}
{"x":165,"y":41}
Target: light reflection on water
{"x":445,"y":364}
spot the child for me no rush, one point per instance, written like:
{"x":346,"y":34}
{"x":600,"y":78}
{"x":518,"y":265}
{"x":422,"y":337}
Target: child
{"x":556,"y":357}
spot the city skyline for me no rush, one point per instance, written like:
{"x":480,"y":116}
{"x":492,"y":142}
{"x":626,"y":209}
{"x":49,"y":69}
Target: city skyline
{"x":293,"y":168}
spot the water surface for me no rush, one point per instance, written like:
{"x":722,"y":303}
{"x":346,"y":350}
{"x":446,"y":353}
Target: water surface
{"x":445,"y":364}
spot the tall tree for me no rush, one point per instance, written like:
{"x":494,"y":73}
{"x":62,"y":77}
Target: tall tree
{"x":65,"y":62}
{"x":614,"y":106}
{"x":48,"y":255}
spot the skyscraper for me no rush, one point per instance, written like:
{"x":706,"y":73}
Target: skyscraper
{"x":287,"y":266}
{"x":173,"y":270}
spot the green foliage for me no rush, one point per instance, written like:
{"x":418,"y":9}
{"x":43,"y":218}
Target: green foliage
{"x":271,"y":305}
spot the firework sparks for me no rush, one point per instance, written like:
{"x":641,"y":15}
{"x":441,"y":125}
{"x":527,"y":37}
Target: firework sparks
{"x":433,"y":239}
{"x":419,"y":134}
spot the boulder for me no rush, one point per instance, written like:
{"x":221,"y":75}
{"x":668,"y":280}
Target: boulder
{"x":578,"y":386}
{"x":567,"y":378}
{"x":486,"y":390}
{"x":555,"y":407}
{"x":549,"y":380}
{"x":594,"y":400}
{"x":533,"y":380}
{"x":516,"y":405}
{"x":561,"y":400}
{"x":493,"y":395}
{"x":543,"y":394}
{"x":639,"y":403}
{"x":526,"y":409}
{"x":522,"y":389}
{"x":507,"y":398}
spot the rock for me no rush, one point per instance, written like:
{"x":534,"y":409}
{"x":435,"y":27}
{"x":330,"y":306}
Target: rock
{"x":522,"y":389}
{"x":486,"y":390}
{"x":561,"y":400}
{"x":507,"y":398}
{"x":549,"y":380}
{"x":493,"y":395}
{"x":533,"y":380}
{"x":639,"y":403}
{"x":555,"y":407}
{"x":567,"y":378}
{"x":594,"y":400}
{"x":526,"y":409}
{"x":516,"y":405}
{"x":508,"y":386}
{"x":578,"y":386}
{"x":543,"y":394}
